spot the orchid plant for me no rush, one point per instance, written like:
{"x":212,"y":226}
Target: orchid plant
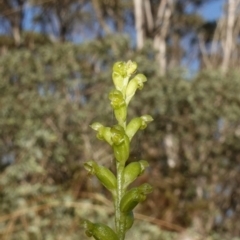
{"x":119,"y":137}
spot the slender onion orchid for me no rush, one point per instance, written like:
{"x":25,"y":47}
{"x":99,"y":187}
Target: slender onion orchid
{"x":119,"y":138}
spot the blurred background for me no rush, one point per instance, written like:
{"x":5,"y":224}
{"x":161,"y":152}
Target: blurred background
{"x":55,"y":74}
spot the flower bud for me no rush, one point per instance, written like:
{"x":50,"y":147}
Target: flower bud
{"x":103,"y":133}
{"x":133,"y":85}
{"x":137,"y":123}
{"x":99,"y":231}
{"x":134,"y":196}
{"x":104,"y":175}
{"x":133,"y":170}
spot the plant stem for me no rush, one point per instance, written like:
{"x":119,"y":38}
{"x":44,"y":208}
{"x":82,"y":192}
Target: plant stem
{"x":119,"y":216}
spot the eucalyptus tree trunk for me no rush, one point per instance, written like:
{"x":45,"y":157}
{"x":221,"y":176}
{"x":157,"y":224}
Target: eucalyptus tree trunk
{"x":14,"y":13}
{"x":228,"y":42}
{"x":158,"y":26}
{"x":139,"y":23}
{"x":162,"y":25}
{"x":16,"y":33}
{"x":224,"y":52}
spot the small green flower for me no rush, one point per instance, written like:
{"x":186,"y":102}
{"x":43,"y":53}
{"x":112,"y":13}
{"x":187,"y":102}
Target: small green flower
{"x":103,"y":133}
{"x":104,"y":175}
{"x":99,"y":231}
{"x":117,"y":100}
{"x":121,"y":143}
{"x":118,"y":134}
{"x":137,"y":123}
{"x":119,"y":105}
{"x":131,"y":67}
{"x":134,"y":196}
{"x":119,"y":76}
{"x":120,"y":68}
{"x":119,"y":137}
{"x":133,"y":170}
{"x":133,"y":85}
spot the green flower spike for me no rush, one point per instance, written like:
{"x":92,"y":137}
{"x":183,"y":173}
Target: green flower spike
{"x":133,"y":85}
{"x":120,"y":143}
{"x":119,"y":137}
{"x":99,"y":231}
{"x":134,"y":196}
{"x":137,"y":123}
{"x":119,"y":106}
{"x":104,"y":175}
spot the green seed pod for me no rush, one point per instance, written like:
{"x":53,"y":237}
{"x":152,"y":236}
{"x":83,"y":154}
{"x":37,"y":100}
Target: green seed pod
{"x":99,"y":231}
{"x":134,"y":196}
{"x":104,"y":175}
{"x":103,"y":133}
{"x":129,"y":219}
{"x":133,"y":85}
{"x":137,"y":123}
{"x":131,"y":67}
{"x":133,"y":170}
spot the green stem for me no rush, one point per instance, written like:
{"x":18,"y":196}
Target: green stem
{"x":119,"y":216}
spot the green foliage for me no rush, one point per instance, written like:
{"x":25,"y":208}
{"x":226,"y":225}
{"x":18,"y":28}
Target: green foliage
{"x":42,"y":136}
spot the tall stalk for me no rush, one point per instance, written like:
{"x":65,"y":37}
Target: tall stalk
{"x":119,"y":138}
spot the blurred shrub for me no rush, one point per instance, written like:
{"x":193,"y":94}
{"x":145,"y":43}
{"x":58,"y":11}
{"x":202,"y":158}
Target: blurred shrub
{"x":48,"y":97}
